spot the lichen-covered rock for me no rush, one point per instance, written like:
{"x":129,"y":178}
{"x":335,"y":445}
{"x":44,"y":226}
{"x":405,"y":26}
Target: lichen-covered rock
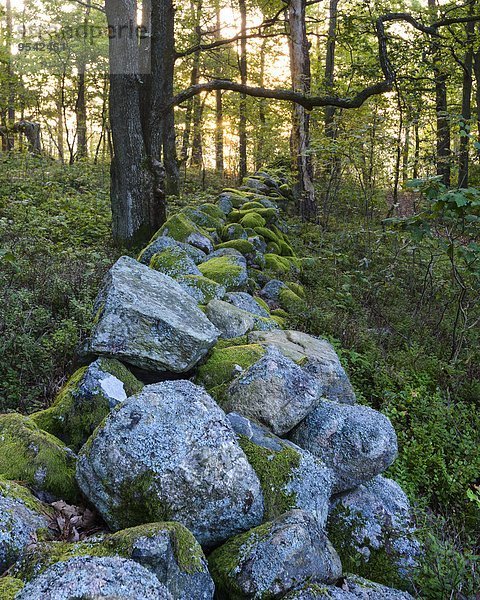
{"x":224,"y":364}
{"x":85,"y":400}
{"x":181,"y":228}
{"x":171,"y":552}
{"x":373,"y":532}
{"x":231,"y":321}
{"x":350,"y":588}
{"x":37,"y":458}
{"x":246,"y":302}
{"x":275,"y":391}
{"x":23,"y":519}
{"x":174,"y":262}
{"x":271,"y":560}
{"x":317,"y":357}
{"x":228,"y":252}
{"x":163,"y":242}
{"x":229,"y":271}
{"x":147,"y":319}
{"x":9,"y":587}
{"x":95,"y":577}
{"x":271,"y":290}
{"x":357,"y":442}
{"x":169,"y":453}
{"x":255,"y":184}
{"x":290,"y":476}
{"x":201,"y":288}
{"x":204,"y":218}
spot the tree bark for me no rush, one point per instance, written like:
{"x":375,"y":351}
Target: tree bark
{"x":476,"y":67}
{"x":242,"y":127}
{"x":81,"y":102}
{"x":466,"y":106}
{"x":301,"y":79}
{"x":262,"y":117}
{"x":11,"y":85}
{"x":330,"y":131}
{"x":219,"y":156}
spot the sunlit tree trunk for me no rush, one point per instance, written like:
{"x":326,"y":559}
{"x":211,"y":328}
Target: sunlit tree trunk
{"x":466,"y":106}
{"x":11,"y":85}
{"x":262,"y":117}
{"x":242,"y":128}
{"x":219,"y":156}
{"x":81,"y":102}
{"x":300,"y":70}
{"x":476,"y":67}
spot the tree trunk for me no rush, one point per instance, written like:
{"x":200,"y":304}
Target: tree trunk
{"x":262,"y":117}
{"x":300,"y":69}
{"x":476,"y":67}
{"x":11,"y":84}
{"x":330,"y":130}
{"x":441,"y":105}
{"x":466,"y":105}
{"x":242,"y":127}
{"x":219,"y":156}
{"x":81,"y":115}
{"x":59,"y":109}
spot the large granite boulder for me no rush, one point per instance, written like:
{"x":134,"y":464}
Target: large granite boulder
{"x":349,"y":588}
{"x":357,"y":442}
{"x":373,"y":531}
{"x":290,"y":476}
{"x":271,"y":560}
{"x":274,"y":391}
{"x":146,"y":319}
{"x":23,"y":519}
{"x":37,"y":458}
{"x":316,"y":355}
{"x":95,"y":578}
{"x":170,"y":454}
{"x":86,"y":399}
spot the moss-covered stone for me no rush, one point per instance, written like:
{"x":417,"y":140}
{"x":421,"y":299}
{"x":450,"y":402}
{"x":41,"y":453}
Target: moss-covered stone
{"x":203,"y":219}
{"x":274,"y":470}
{"x":268,"y":214}
{"x":181,"y":228}
{"x":288,"y":299}
{"x":243,"y":246}
{"x":268,"y":235}
{"x":273,"y":248}
{"x":297,"y":288}
{"x":174,"y":262}
{"x":234,"y":231}
{"x":277,"y":264}
{"x":83,"y":403}
{"x":286,"y":249}
{"x":252,"y":220}
{"x":252,"y":206}
{"x":225,"y":270}
{"x":9,"y":587}
{"x":35,"y":457}
{"x":212,"y":210}
{"x":202,"y":288}
{"x":222,"y":364}
{"x":261,"y":302}
{"x":280,"y":321}
{"x":280,"y":312}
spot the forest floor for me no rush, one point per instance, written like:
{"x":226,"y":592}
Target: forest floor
{"x":375,"y":293}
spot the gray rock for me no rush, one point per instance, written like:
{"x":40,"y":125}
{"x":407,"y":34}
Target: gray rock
{"x":275,"y":392}
{"x":171,"y":552}
{"x":163,"y":242}
{"x":357,"y":442}
{"x":255,"y":185}
{"x":174,"y":262}
{"x":290,"y":476}
{"x":231,"y":321}
{"x":169,"y":453}
{"x":146,"y":319}
{"x":349,"y":588}
{"x":273,"y":559}
{"x":228,"y":252}
{"x":258,"y":243}
{"x":271,"y":291}
{"x":92,"y":578}
{"x":201,"y":288}
{"x":224,"y":203}
{"x":22,"y":517}
{"x":374,"y":522}
{"x":246,"y":302}
{"x":318,"y":359}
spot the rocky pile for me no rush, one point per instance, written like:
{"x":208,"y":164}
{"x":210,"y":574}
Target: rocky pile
{"x":247,"y":470}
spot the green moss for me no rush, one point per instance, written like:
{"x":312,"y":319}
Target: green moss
{"x":180,"y":227}
{"x":233,"y":231}
{"x":224,"y":270}
{"x":279,"y":312}
{"x":277,"y":264}
{"x":38,"y":458}
{"x":75,"y":414}
{"x":172,"y":261}
{"x":9,"y":587}
{"x":273,"y":248}
{"x":187,"y":551}
{"x":296,"y":288}
{"x":268,"y":214}
{"x":243,"y":246}
{"x":213,"y":211}
{"x":219,"y":368}
{"x":11,"y":489}
{"x":343,"y":527}
{"x":288,"y":299}
{"x":268,"y":235}
{"x":286,"y":249}
{"x":261,"y":302}
{"x":252,"y":206}
{"x":207,"y":288}
{"x":280,"y":321}
{"x":274,"y":470}
{"x":238,"y":341}
{"x":203,"y":219}
{"x":138,"y":503}
{"x":253,"y":220}
{"x":224,"y":561}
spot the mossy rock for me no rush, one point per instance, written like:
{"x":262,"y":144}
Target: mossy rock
{"x":273,"y":248}
{"x":289,"y":300}
{"x":268,"y":235}
{"x":278,"y":264}
{"x":234,"y":231}
{"x":286,"y":249}
{"x":253,"y":220}
{"x":85,"y":400}
{"x":280,"y":321}
{"x":261,"y":302}
{"x":36,"y":457}
{"x":268,"y":214}
{"x":225,"y":270}
{"x":9,"y":587}
{"x":203,"y":219}
{"x":239,"y":341}
{"x":173,"y":262}
{"x":297,"y":288}
{"x":243,"y":246}
{"x":213,"y":211}
{"x":202,"y":288}
{"x":252,"y":206}
{"x":224,"y":363}
{"x":280,"y":312}
{"x":181,"y":228}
